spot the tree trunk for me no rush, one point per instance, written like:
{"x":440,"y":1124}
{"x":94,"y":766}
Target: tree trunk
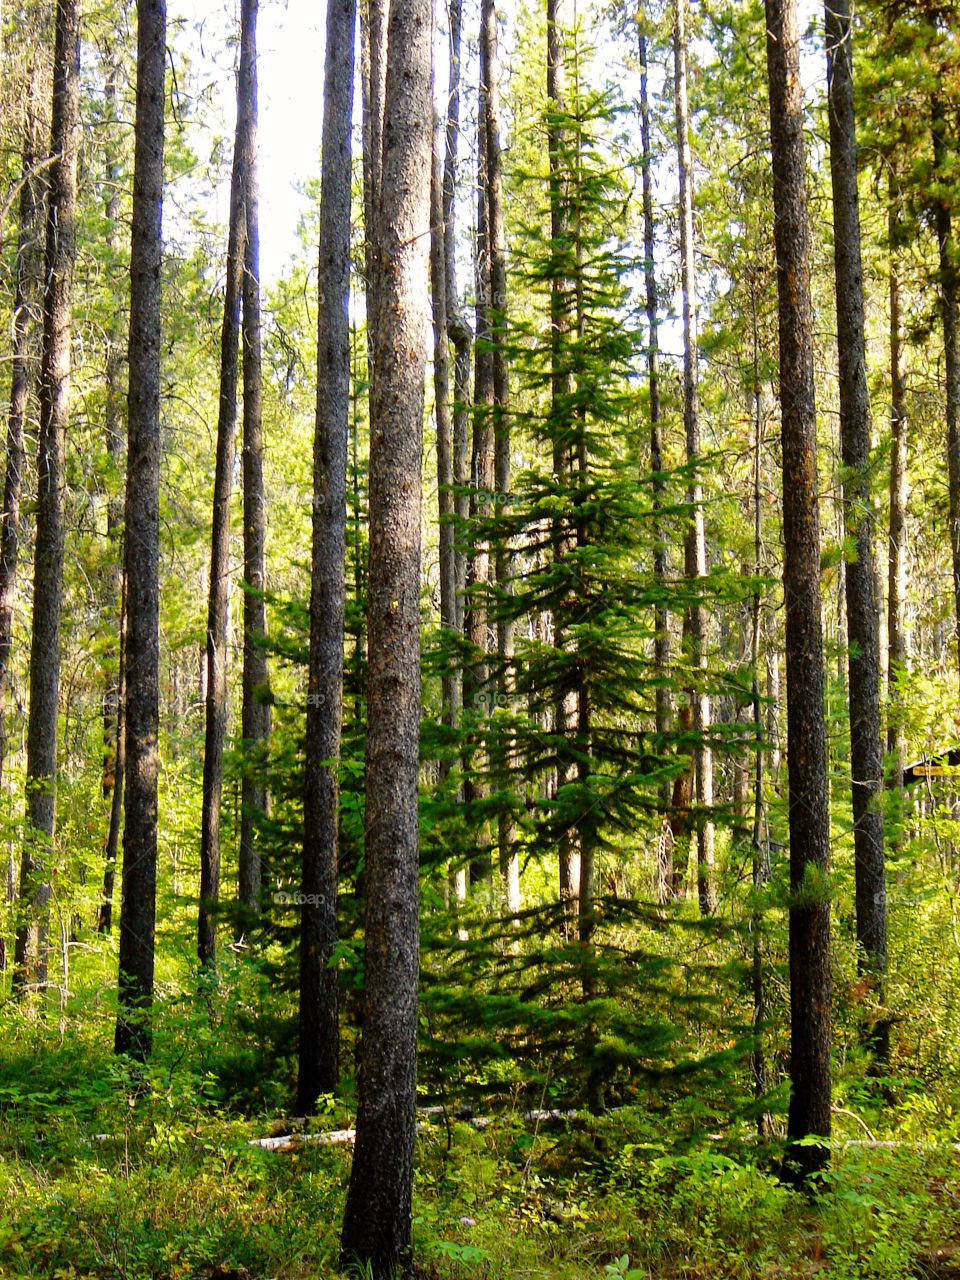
{"x":218,"y":605}
{"x":142,"y":548}
{"x":459,"y":333}
{"x":863,"y":655}
{"x":26,"y":295}
{"x":695,"y":547}
{"x":319,"y":1032}
{"x":497,"y":325}
{"x":376,"y":1228}
{"x":255,"y":716}
{"x":219,"y":598}
{"x":951,"y":349}
{"x":60,"y":255}
{"x":897,"y":544}
{"x":661,"y":618}
{"x":561,"y":387}
{"x":105,"y":915}
{"x":809,"y":826}
{"x":760,"y":846}
{"x":113,"y":602}
{"x":477,"y":693}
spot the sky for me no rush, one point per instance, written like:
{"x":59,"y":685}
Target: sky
{"x":291,"y":51}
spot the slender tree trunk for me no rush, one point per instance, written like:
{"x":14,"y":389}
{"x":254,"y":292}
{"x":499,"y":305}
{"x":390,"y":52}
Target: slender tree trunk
{"x":951,"y":350}
{"x":477,"y":692}
{"x":376,"y":1228}
{"x":809,"y":826}
{"x":113,"y":586}
{"x":866,"y":756}
{"x":661,"y":618}
{"x":695,"y":546}
{"x":497,"y":325}
{"x":141,"y":546}
{"x":218,"y":605}
{"x":460,"y":335}
{"x":561,"y":387}
{"x":255,"y":717}
{"x":105,"y":916}
{"x":22,"y":376}
{"x":60,"y":255}
{"x":897,"y":543}
{"x":761,"y":858}
{"x":319,"y":1031}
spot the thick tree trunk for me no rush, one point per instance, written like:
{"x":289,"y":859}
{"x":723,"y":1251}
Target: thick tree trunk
{"x":255,"y":716}
{"x":806,"y":744}
{"x":376,"y":1228}
{"x":319,"y":1031}
{"x":866,"y":756}
{"x":60,"y":255}
{"x":218,"y":604}
{"x":142,"y":547}
{"x":695,"y":546}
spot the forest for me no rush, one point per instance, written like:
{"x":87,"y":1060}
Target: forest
{"x":479,"y":721}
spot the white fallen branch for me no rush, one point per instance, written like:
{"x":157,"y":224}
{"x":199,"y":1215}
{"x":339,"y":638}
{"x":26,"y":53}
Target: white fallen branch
{"x":290,"y":1141}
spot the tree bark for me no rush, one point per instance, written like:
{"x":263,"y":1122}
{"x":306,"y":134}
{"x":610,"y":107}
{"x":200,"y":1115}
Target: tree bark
{"x":376,"y":1228}
{"x":809,"y":945}
{"x":319,"y":1032}
{"x":695,"y":547}
{"x":561,"y":388}
{"x":897,"y":532}
{"x":218,"y":604}
{"x":142,"y":547}
{"x":863,"y":655}
{"x":60,"y":255}
{"x":951,"y":348}
{"x":255,"y":716}
{"x":22,"y":377}
{"x":661,"y":618}
{"x":477,"y":693}
{"x":497,"y":327}
{"x":105,"y":915}
{"x":113,"y":753}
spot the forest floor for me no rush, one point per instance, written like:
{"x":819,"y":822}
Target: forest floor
{"x":96,"y":1182}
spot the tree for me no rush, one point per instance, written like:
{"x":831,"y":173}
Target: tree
{"x":114,"y":590}
{"x":59,"y":259}
{"x":949,"y":302}
{"x":141,"y":547}
{"x":806,"y":745}
{"x":27,"y":290}
{"x":376,"y":1227}
{"x":219,"y":597}
{"x":661,"y":639}
{"x":863,"y":655}
{"x":561,"y":390}
{"x":319,"y":1033}
{"x":695,"y":546}
{"x":255,"y":711}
